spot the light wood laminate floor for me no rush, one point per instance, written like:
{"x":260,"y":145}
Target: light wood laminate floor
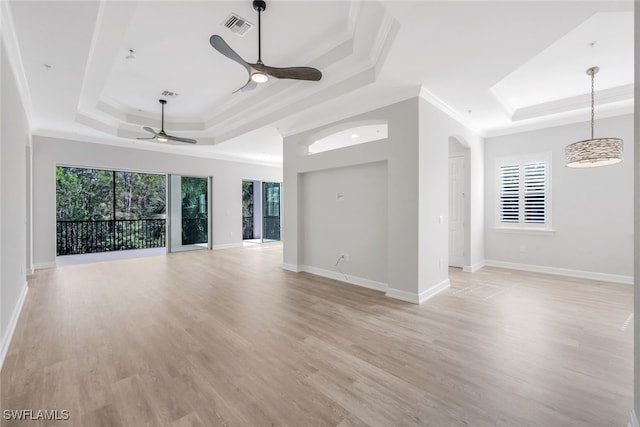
{"x":229,"y":338}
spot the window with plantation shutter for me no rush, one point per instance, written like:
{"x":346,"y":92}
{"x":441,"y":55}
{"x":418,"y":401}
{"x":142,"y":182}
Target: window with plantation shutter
{"x":510,"y":193}
{"x":534,"y":193}
{"x":523,"y":192}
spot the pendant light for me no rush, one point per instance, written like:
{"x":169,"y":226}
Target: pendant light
{"x":595,"y":151}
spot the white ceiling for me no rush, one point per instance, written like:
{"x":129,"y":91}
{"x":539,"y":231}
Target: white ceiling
{"x":498,"y":67}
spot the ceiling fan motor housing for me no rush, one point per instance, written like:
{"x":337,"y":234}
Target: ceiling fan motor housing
{"x":259,"y":5}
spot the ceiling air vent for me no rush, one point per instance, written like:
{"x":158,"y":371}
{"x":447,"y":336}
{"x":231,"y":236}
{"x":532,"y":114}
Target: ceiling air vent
{"x":237,"y":25}
{"x":169,"y":94}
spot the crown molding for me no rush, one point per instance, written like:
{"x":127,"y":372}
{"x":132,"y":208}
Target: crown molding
{"x":449,"y":110}
{"x":621,"y":108}
{"x":606,"y":96}
{"x":10,"y":42}
{"x":199,"y":151}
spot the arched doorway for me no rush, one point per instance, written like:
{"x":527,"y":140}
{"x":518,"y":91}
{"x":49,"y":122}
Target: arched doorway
{"x":458,"y":202}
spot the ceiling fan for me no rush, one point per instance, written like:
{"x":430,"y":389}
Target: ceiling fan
{"x":162,"y":135}
{"x":258,"y":72}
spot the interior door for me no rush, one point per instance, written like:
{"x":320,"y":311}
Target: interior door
{"x":456,"y":211}
{"x":270,"y":211}
{"x":188,"y":213}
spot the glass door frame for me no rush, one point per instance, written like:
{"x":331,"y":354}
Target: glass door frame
{"x":260,"y":195}
{"x":169,"y":221}
{"x":265,"y":208}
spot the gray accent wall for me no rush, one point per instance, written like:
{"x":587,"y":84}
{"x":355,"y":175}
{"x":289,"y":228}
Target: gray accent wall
{"x":410,"y":243}
{"x":354,"y":225}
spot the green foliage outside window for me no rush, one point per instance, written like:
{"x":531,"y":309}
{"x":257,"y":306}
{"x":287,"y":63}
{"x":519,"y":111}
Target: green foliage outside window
{"x":194,"y":210}
{"x":87,"y":220}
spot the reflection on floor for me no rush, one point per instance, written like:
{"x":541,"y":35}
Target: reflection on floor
{"x":108,"y":256}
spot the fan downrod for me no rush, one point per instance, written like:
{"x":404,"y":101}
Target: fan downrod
{"x":259,"y":5}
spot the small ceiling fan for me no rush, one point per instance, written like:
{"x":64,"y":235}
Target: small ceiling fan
{"x":162,"y":135}
{"x":258,"y":72}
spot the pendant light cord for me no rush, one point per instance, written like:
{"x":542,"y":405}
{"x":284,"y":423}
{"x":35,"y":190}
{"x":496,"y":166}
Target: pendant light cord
{"x":259,"y":37}
{"x":593,"y":76}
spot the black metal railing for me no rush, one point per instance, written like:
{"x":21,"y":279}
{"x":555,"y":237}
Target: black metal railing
{"x":82,"y":237}
{"x":194,"y":230}
{"x":247,"y":227}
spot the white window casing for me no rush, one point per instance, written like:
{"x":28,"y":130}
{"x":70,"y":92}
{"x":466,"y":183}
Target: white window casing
{"x":523,"y":187}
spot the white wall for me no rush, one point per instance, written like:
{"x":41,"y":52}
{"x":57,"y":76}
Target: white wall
{"x":592,"y":208}
{"x":175,"y":202}
{"x":227,"y":184}
{"x":355,"y":225}
{"x":14,"y":134}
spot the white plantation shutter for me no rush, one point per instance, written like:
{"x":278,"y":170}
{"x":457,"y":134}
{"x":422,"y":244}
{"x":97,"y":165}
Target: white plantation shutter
{"x":534,"y":193}
{"x":510,"y":193}
{"x":523,"y":192}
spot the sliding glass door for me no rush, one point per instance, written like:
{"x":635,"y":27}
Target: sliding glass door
{"x":270,"y":211}
{"x":189,"y":213}
{"x":260,"y":211}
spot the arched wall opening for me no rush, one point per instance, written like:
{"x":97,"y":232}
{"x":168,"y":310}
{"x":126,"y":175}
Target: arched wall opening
{"x":345,"y":135}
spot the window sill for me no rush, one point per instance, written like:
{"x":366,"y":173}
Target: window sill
{"x":525,"y":230}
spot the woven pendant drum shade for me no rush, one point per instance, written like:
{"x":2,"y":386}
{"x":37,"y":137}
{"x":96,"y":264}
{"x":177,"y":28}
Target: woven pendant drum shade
{"x":595,"y":151}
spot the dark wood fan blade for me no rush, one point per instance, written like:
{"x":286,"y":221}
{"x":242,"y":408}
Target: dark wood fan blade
{"x":296,"y":73}
{"x":247,"y":87}
{"x":179,"y":139}
{"x":221,"y":46}
{"x":148,"y":129}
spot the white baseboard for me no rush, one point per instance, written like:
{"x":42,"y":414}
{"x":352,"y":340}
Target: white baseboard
{"x":335,"y":275}
{"x":30,"y":271}
{"x":42,"y":265}
{"x":591,"y":275}
{"x":416,"y":298}
{"x":291,"y":267}
{"x":227,"y":246}
{"x":403,"y":295}
{"x":6,"y":339}
{"x":633,"y":421}
{"x":473,"y":268}
{"x":434,"y":290}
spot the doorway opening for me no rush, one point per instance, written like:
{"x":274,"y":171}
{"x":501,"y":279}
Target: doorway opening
{"x":251,"y":204}
{"x":189,"y":213}
{"x":458,"y":170}
{"x":260,"y":211}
